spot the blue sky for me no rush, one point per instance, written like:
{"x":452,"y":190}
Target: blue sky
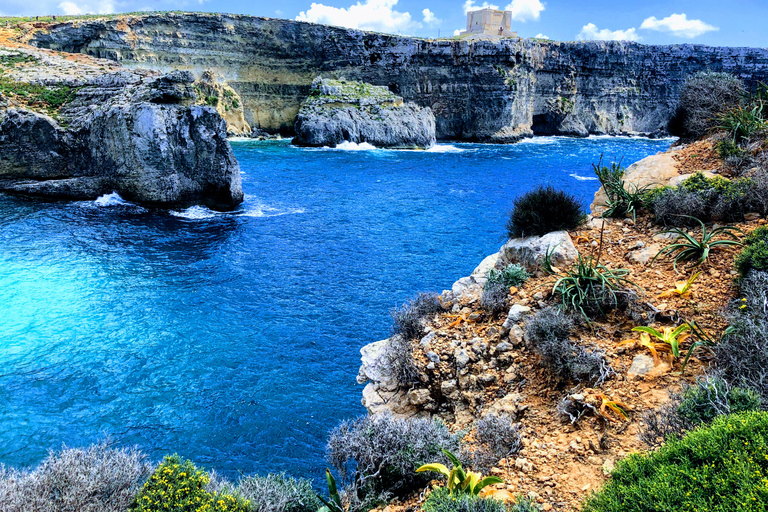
{"x":712,"y":22}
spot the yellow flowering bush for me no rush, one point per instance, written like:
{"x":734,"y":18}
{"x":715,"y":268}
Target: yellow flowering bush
{"x":178,"y":486}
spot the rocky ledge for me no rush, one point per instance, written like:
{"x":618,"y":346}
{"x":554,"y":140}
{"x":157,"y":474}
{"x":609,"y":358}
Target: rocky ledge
{"x":77,"y":127}
{"x":338,"y":110}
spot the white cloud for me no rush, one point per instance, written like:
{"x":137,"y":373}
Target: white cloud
{"x":458,"y":31}
{"x":470,"y":5}
{"x":591,"y":32}
{"x":524,"y":10}
{"x":540,"y":36}
{"x":278,"y":12}
{"x":378,"y":15}
{"x":430,"y":18}
{"x":678,"y":25}
{"x":99,"y":7}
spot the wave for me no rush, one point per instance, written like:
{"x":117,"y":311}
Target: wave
{"x":583,"y":178}
{"x":539,"y":140}
{"x":257,"y":210}
{"x":354,"y":146}
{"x":112,"y":199}
{"x":444,"y":148}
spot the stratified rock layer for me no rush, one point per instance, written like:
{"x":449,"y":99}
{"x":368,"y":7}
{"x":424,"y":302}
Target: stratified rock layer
{"x":338,"y":111}
{"x":496,"y":91}
{"x":129,"y":132}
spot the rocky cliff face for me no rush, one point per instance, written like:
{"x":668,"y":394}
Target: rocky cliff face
{"x":478,"y":90}
{"x":339,"y":110}
{"x":79,"y":132}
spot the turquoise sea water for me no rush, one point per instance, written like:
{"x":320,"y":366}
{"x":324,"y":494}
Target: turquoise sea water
{"x":233,"y":339}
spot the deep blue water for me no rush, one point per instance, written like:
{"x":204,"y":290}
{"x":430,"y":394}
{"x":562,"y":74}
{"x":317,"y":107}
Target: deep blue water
{"x":233,"y":339}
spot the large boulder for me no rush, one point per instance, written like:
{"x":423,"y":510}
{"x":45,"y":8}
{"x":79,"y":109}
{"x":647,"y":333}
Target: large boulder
{"x":338,"y":110}
{"x":131,"y":132}
{"x":531,"y":251}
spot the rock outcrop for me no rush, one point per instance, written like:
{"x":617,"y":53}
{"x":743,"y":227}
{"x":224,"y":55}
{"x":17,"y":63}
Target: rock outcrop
{"x":494,"y":91}
{"x":132,"y":132}
{"x":339,"y":110}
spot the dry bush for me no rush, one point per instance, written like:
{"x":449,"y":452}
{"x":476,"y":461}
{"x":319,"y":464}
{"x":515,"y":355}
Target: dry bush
{"x":703,"y":98}
{"x":93,"y":479}
{"x":498,"y":437}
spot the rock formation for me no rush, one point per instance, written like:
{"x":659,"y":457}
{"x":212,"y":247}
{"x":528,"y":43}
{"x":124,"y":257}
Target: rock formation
{"x":338,"y":111}
{"x":84,"y":131}
{"x":495,"y":91}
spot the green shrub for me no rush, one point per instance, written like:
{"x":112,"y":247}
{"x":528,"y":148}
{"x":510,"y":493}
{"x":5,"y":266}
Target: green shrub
{"x":211,"y":101}
{"x":511,"y":275}
{"x":755,"y":252}
{"x":720,"y":467}
{"x":542,"y":211}
{"x":703,"y":97}
{"x":741,"y":123}
{"x":178,"y":486}
{"x":713,"y":397}
{"x":440,"y":500}
{"x":726,"y":148}
{"x":278,"y":493}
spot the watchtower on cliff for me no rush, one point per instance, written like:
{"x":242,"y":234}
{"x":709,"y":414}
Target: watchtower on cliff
{"x":492,"y":22}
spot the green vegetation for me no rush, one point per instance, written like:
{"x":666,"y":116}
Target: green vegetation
{"x":442,"y":500}
{"x":49,"y":98}
{"x":460,"y":481}
{"x":721,"y":467}
{"x":691,"y":248}
{"x":710,"y":398}
{"x":543,"y":210}
{"x":623,"y":199}
{"x":755,"y":252}
{"x":178,"y":486}
{"x":511,"y":275}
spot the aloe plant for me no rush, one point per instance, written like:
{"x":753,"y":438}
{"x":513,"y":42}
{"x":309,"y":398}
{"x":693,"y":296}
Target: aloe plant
{"x":333,"y":503}
{"x":459,"y":480}
{"x":689,"y":248}
{"x":670,"y":336}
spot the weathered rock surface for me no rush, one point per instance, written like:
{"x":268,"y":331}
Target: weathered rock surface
{"x":531,"y":251}
{"x":338,"y":111}
{"x":130,"y":132}
{"x":496,"y":91}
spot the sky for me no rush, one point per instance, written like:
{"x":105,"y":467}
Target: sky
{"x":711,"y":22}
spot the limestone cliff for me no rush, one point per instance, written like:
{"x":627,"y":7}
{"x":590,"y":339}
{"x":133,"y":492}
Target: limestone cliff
{"x":79,"y":130}
{"x":493,"y":91}
{"x":338,"y":111}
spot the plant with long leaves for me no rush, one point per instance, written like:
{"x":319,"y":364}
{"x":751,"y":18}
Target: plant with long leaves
{"x":622,"y":198}
{"x":689,"y":248}
{"x":333,"y":503}
{"x":703,"y":339}
{"x":669,"y":336}
{"x":588,"y":282}
{"x":459,"y":480}
{"x":681,"y":289}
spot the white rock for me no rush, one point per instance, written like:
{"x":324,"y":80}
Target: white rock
{"x":530,"y":251}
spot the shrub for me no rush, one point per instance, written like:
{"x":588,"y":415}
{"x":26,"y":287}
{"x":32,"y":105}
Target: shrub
{"x":755,"y":252}
{"x":409,"y":318}
{"x":440,"y":500}
{"x":511,"y":275}
{"x":498,"y":438}
{"x":278,"y":493}
{"x":687,"y":247}
{"x":494,"y":297}
{"x":377,"y":456}
{"x":741,"y":123}
{"x":178,"y":486}
{"x":742,"y":355}
{"x":93,"y":479}
{"x":547,"y":333}
{"x":714,"y":468}
{"x":712,"y":397}
{"x":542,"y":211}
{"x":705,"y":96}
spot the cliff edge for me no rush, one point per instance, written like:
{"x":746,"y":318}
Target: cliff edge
{"x":77,"y":127}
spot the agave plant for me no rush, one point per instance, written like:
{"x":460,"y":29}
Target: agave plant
{"x":622,"y":198}
{"x":459,"y":480}
{"x":689,"y":248}
{"x":682,"y":288}
{"x":333,"y":503}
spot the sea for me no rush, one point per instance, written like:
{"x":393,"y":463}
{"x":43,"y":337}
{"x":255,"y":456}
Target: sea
{"x":233,"y":339}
